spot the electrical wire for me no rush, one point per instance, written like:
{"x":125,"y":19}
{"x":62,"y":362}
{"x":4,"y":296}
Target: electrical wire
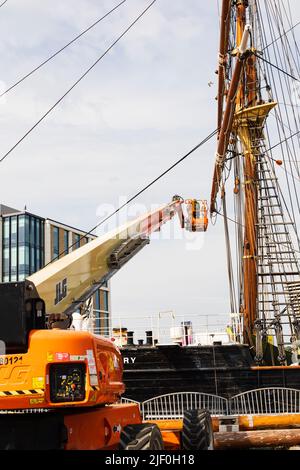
{"x":77,"y":82}
{"x":61,"y":49}
{"x":3,"y":3}
{"x":90,"y":232}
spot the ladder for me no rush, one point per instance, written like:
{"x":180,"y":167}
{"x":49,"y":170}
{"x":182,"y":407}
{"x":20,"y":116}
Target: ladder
{"x":278,"y":270}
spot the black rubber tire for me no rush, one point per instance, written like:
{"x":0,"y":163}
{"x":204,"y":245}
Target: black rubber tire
{"x":141,"y":437}
{"x":197,"y":431}
{"x":209,"y":432}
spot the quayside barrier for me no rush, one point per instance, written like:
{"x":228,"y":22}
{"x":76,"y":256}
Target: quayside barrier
{"x":262,"y":401}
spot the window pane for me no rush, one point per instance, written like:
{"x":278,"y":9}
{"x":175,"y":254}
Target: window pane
{"x":5,"y":261}
{"x":42,"y":234}
{"x":23,"y":267}
{"x":106,"y":324}
{"x":37,"y":233}
{"x":105,"y":299}
{"x":66,"y":242}
{"x":13,"y":263}
{"x":97,"y":300}
{"x":32,"y":260}
{"x":13,"y":231}
{"x":55,"y":242}
{"x":27,"y":222}
{"x":77,"y":240}
{"x":32,"y":231}
{"x":38,"y":260}
{"x":21,"y":221}
{"x":6,"y":232}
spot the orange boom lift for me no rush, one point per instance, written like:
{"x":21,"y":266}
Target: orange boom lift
{"x":64,"y":386}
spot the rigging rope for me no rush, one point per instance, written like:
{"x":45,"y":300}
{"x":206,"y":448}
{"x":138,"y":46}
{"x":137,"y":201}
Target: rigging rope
{"x":275,"y":66}
{"x":284,"y":34}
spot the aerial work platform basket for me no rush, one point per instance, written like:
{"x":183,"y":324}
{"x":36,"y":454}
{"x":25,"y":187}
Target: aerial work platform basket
{"x":197,"y":218}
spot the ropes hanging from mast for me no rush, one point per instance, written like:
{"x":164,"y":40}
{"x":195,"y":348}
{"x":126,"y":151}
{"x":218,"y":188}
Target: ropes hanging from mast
{"x":266,"y":206}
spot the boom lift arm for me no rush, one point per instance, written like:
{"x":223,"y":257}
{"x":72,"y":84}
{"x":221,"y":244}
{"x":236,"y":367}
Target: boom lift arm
{"x":68,"y":282}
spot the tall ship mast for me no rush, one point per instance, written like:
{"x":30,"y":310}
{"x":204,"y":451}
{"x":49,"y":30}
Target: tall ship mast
{"x":257,"y":108}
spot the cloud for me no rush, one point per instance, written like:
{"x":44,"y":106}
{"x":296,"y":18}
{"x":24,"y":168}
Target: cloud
{"x":144,"y":106}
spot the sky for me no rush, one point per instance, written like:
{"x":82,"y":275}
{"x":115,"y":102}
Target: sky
{"x":147,"y":103}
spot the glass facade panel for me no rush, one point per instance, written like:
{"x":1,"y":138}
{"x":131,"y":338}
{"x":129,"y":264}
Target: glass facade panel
{"x":21,"y":236}
{"x":66,"y":242}
{"x":6,"y":262}
{"x":23,"y":245}
{"x":97,"y":312}
{"x":13,"y":231}
{"x":6,"y":232}
{"x":55,"y":234}
{"x":77,"y":240}
{"x":13,"y":263}
{"x":106,"y":324}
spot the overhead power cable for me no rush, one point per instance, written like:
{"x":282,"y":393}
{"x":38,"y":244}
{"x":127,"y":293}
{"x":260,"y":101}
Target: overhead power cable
{"x":77,"y":82}
{"x":90,"y":232}
{"x":61,"y":49}
{"x":3,"y":3}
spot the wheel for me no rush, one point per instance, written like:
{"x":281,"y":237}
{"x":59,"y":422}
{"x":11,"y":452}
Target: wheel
{"x":197,"y":433}
{"x":141,"y":437}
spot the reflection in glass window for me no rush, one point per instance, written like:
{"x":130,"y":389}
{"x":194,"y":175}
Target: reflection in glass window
{"x":5,"y":262}
{"x":105,"y":329}
{"x":37,"y":233}
{"x":13,"y":231}
{"x":77,"y":240}
{"x":13,"y":263}
{"x":6,"y":232}
{"x":66,"y":242}
{"x":21,"y":237}
{"x":55,"y":242}
{"x":105,"y":301}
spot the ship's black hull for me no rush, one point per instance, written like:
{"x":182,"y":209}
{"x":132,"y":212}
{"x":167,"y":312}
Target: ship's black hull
{"x":224,"y":370}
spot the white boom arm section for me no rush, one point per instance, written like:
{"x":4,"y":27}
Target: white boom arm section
{"x":68,"y":282}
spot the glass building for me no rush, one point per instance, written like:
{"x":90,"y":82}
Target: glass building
{"x":28,"y":242}
{"x":22,"y":246}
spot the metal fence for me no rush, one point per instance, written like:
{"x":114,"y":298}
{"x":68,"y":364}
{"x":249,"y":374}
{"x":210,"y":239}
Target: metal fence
{"x":266,"y":401}
{"x":173,"y":405}
{"x":274,"y":400}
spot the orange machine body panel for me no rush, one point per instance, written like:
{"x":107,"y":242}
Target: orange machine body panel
{"x":25,"y":379}
{"x":171,"y":431}
{"x":99,"y":428}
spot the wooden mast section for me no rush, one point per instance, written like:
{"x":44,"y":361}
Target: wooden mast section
{"x":249,"y":123}
{"x":249,"y":309}
{"x":244,"y":116}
